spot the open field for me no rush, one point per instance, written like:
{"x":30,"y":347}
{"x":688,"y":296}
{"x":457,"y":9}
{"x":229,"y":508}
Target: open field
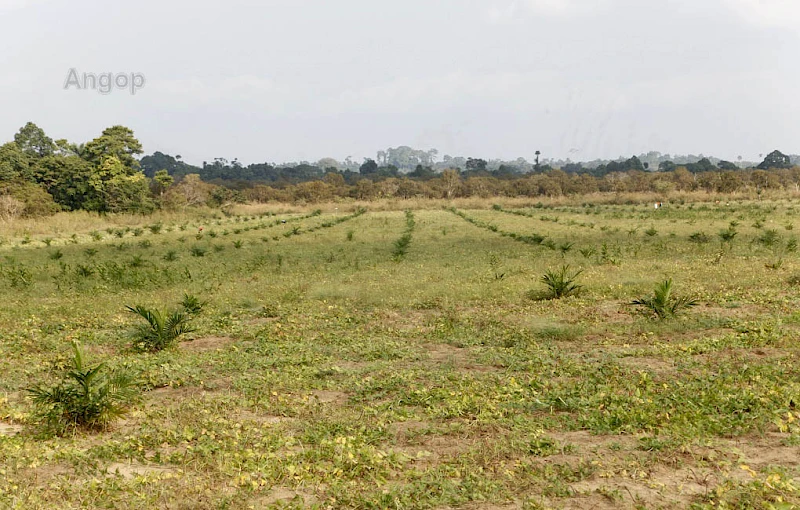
{"x":336,"y":365}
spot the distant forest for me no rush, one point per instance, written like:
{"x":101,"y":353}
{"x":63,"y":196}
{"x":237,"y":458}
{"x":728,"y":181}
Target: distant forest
{"x":41,"y":176}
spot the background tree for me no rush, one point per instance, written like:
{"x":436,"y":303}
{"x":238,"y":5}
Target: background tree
{"x":369,"y":167}
{"x":775,"y":159}
{"x":32,"y":140}
{"x":117,"y":142}
{"x":14,"y":163}
{"x":162,"y":181}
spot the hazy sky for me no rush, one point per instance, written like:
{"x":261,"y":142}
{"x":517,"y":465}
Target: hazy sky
{"x":289,"y":80}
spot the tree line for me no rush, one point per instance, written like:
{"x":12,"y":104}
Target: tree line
{"x":41,"y":176}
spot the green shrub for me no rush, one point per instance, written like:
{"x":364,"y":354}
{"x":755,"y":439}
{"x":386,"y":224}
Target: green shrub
{"x":87,"y":397}
{"x":663,"y":304}
{"x":162,"y":328}
{"x":699,"y":238}
{"x":561,"y":283}
{"x":192,"y":304}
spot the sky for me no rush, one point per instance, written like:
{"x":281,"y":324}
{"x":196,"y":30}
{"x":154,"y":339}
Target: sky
{"x":299,"y":80}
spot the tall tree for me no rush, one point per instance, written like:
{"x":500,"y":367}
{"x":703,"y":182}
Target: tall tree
{"x":32,"y":140}
{"x":117,"y":142}
{"x":14,"y":163}
{"x":775,"y":159}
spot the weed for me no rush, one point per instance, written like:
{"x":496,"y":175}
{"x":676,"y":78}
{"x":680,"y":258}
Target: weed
{"x":87,"y":397}
{"x":728,"y":235}
{"x":136,"y":261}
{"x":769,"y":238}
{"x":560,"y":283}
{"x":663,"y":304}
{"x":192,"y":304}
{"x":84,"y":271}
{"x":161,"y":330}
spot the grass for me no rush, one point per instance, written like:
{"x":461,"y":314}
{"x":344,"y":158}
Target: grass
{"x":320,"y":371}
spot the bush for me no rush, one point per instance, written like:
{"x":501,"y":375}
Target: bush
{"x":87,"y":397}
{"x":662,"y":304}
{"x":560,"y":283}
{"x":161,"y":330}
{"x":192,"y":304}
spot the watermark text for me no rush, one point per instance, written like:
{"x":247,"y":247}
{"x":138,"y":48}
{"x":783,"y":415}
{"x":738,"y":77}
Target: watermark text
{"x":104,"y":83}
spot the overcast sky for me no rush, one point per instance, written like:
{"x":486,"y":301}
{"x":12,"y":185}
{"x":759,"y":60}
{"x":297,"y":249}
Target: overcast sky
{"x":290,"y":80}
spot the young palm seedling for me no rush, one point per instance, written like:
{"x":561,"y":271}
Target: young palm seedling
{"x":87,"y":397}
{"x":663,"y":304}
{"x":560,"y":283}
{"x":161,"y":330}
{"x":192,"y":304}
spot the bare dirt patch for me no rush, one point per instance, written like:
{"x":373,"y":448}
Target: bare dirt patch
{"x":586,"y":441}
{"x":617,"y":312}
{"x":263,"y":419}
{"x":431,"y":450}
{"x":488,"y":506}
{"x":284,"y":495}
{"x":442,"y":354}
{"x":133,"y":470}
{"x":651,"y":364}
{"x":10,"y":429}
{"x":209,"y":343}
{"x":329,"y":397}
{"x":762,"y":452}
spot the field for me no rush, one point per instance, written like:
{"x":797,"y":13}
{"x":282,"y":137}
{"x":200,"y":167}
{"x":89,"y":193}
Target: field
{"x":379,"y":358}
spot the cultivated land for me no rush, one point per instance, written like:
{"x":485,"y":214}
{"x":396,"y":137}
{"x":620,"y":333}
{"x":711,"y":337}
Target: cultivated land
{"x":336,"y":366}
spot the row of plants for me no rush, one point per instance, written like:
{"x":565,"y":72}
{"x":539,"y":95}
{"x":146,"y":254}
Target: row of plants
{"x":533,"y":239}
{"x":401,"y":245}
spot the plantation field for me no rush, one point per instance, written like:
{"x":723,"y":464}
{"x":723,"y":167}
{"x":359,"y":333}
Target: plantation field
{"x":351,"y":358}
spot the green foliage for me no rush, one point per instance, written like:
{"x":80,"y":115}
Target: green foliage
{"x":192,"y":304}
{"x":84,"y":271}
{"x":400,"y":246}
{"x":161,"y":328}
{"x":699,"y":238}
{"x":198,"y":251}
{"x":727,"y":235}
{"x":663,"y":304}
{"x":769,"y":238}
{"x":560,"y":283}
{"x":87,"y":397}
